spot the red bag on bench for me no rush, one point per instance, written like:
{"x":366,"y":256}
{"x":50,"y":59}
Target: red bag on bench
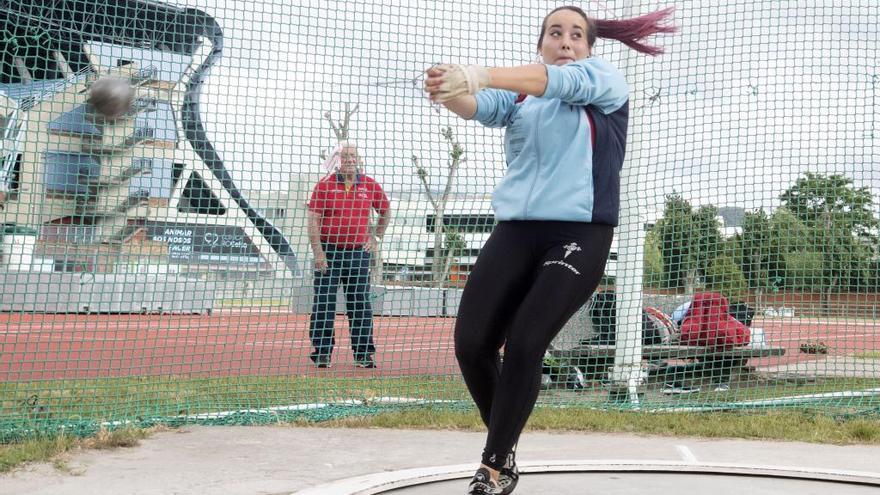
{"x":709,"y":325}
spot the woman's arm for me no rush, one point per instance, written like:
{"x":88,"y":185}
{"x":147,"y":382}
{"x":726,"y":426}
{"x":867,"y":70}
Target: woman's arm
{"x":591,"y":81}
{"x":585,"y":82}
{"x":528,"y":79}
{"x":463,"y":106}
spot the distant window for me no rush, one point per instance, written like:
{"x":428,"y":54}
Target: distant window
{"x":70,"y":173}
{"x":429,"y":252}
{"x":12,"y":179}
{"x":144,"y":165}
{"x":463,"y":222}
{"x":121,"y":61}
{"x":73,"y":266}
{"x":153,"y":175}
{"x":159,"y":123}
{"x":69,"y":233}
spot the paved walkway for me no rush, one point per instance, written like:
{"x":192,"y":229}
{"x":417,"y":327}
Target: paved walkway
{"x":225,"y":460}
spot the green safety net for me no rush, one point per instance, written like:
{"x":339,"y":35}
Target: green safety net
{"x":157,"y":265}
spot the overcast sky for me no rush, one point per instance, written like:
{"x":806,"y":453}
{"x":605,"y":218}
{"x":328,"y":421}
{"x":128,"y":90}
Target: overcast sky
{"x":749,"y":96}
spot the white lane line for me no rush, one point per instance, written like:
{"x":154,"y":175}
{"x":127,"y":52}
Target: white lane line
{"x":686,"y":454}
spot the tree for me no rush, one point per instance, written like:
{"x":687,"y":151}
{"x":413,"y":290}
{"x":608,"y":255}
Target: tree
{"x":724,"y":276}
{"x":803,"y":270}
{"x":341,"y":128}
{"x":454,"y":247}
{"x":673,"y":233}
{"x":753,"y":250}
{"x":689,"y":240}
{"x":816,"y":199}
{"x":707,"y":242}
{"x":440,"y":265}
{"x":653,"y":264}
{"x":842,"y":224}
{"x":788,"y":235}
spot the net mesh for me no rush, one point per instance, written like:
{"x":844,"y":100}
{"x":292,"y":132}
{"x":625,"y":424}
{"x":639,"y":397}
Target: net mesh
{"x":157,"y":265}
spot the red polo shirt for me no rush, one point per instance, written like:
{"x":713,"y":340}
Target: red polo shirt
{"x":345,"y":213}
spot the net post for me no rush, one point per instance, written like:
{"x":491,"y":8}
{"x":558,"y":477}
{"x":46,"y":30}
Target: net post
{"x":627,"y":376}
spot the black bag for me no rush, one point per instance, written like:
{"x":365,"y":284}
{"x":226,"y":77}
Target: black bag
{"x":742,"y":313}
{"x":603,"y":316}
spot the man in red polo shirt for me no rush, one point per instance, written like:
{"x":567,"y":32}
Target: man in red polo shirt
{"x":342,"y":241}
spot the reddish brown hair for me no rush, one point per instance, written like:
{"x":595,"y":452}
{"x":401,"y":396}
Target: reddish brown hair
{"x":630,"y":32}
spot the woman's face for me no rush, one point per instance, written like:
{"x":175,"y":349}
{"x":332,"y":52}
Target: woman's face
{"x":565,"y":38}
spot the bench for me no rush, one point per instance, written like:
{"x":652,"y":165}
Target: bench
{"x":596,"y":359}
{"x":670,"y":351}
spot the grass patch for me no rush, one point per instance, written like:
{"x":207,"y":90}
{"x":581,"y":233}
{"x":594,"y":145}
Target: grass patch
{"x":867,"y":355}
{"x":33,"y":450}
{"x":50,"y":449}
{"x":800,"y":425}
{"x":114,"y":439}
{"x":112,"y":399}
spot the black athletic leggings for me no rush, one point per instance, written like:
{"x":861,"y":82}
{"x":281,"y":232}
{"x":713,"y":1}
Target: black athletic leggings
{"x":530,"y":277}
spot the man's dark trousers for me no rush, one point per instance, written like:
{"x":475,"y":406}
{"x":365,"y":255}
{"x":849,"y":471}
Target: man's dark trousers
{"x":351,"y":268}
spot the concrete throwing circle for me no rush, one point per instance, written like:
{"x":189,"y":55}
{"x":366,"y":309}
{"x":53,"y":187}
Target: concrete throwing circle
{"x":617,"y":477}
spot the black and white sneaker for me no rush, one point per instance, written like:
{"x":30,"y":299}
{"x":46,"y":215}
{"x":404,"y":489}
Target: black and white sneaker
{"x":482,"y":484}
{"x":677,"y":389}
{"x":722,"y":387}
{"x":508,"y":476}
{"x":320,"y":360}
{"x":365,"y":361}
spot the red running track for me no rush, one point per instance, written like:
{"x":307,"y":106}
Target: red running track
{"x":47,"y":346}
{"x":50,"y":346}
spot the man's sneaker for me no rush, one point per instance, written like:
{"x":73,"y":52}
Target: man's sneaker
{"x":508,"y":476}
{"x":722,"y":387}
{"x":482,"y":484}
{"x":365,"y":361}
{"x":674,"y":389}
{"x":320,"y":360}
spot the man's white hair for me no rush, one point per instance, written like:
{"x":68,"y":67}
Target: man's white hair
{"x":347,"y":144}
{"x":333,"y":158}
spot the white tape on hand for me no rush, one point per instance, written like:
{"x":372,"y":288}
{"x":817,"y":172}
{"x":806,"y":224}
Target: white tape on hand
{"x":460,"y":80}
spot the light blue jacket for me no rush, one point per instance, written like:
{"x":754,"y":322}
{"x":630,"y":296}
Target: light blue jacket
{"x":564,"y":149}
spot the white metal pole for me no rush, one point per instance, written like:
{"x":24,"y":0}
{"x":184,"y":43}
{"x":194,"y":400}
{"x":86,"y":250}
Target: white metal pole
{"x":627,"y":372}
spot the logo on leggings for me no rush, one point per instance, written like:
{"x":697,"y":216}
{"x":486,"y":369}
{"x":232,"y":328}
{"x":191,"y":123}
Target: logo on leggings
{"x":569,"y":248}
